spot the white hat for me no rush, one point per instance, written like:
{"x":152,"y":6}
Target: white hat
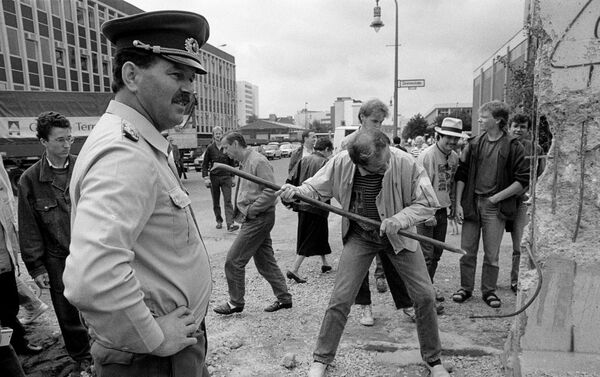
{"x":450,"y":127}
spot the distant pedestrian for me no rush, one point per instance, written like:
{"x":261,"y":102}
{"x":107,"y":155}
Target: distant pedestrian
{"x":255,"y":210}
{"x":440,"y":162}
{"x":313,"y":230}
{"x":309,"y":138}
{"x":398,"y":143}
{"x":45,"y":229}
{"x":520,"y":127}
{"x":387,"y":185}
{"x":219,"y":181}
{"x":419,"y":146}
{"x":492,"y":172}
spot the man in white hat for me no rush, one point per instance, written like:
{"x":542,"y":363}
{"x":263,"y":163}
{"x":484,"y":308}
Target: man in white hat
{"x":440,"y":162}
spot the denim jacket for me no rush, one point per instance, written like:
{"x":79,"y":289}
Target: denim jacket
{"x":44,"y":215}
{"x":406,"y":192}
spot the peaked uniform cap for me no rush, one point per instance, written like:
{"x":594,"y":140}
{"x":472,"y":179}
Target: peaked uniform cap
{"x":450,"y":127}
{"x":174,"y":35}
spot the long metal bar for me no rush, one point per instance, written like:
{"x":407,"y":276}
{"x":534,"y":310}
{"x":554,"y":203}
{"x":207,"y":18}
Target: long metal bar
{"x":330,"y":208}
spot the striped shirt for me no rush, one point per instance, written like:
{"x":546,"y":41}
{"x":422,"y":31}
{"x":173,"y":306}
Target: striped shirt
{"x":364,"y":194}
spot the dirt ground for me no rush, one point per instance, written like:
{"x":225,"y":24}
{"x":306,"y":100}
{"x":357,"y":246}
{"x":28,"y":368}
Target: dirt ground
{"x":255,"y":343}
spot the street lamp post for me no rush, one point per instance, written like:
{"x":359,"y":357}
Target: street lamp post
{"x":378,"y":24}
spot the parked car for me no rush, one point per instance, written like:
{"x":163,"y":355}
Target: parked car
{"x":286,"y":149}
{"x":198,"y":163}
{"x":271,"y":151}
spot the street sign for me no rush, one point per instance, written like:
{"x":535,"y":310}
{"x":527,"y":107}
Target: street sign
{"x":411,"y":83}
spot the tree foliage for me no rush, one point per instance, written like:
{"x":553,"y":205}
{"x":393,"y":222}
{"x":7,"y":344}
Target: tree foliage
{"x":317,"y":126}
{"x":416,"y":126}
{"x":463,"y":115}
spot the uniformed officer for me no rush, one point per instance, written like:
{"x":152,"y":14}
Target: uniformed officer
{"x":138,"y":270}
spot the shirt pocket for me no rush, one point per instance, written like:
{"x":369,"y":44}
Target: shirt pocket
{"x":47,"y":210}
{"x":183,"y":224}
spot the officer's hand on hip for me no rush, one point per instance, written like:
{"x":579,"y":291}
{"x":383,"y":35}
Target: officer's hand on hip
{"x":178,"y":328}
{"x":390,"y":226}
{"x":42,"y":280}
{"x":207,"y":182}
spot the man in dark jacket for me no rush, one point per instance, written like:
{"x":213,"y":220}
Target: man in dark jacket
{"x":219,"y":181}
{"x":44,"y":228}
{"x":492,"y":172}
{"x":309,"y":138}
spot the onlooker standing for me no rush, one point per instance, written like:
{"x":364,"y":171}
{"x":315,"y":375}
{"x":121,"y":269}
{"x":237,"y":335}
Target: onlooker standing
{"x":492,"y":172}
{"x":219,"y":181}
{"x":138,"y":270}
{"x":45,"y":228}
{"x":398,"y":143}
{"x":419,"y":146}
{"x":255,"y":210}
{"x":520,"y":127}
{"x":440,"y":162}
{"x":313,"y":230}
{"x":309,"y":138}
{"x":387,"y":185}
{"x":9,"y":248}
{"x":176,"y":157}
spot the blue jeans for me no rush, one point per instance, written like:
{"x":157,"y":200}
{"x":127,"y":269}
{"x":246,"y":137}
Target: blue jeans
{"x":254,"y":241}
{"x":491,"y":228}
{"x":357,"y":255}
{"x":395,"y":284}
{"x":519,"y":223}
{"x":432,"y":253}
{"x":218,"y":184}
{"x":189,"y":362}
{"x":75,"y":335}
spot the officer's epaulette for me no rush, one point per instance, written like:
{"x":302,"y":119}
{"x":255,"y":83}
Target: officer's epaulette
{"x":129,"y":132}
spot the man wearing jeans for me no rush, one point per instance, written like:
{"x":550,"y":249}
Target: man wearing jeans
{"x":45,"y":228}
{"x":440,"y":162}
{"x":492,"y":172}
{"x":386,"y":185}
{"x":255,"y":210}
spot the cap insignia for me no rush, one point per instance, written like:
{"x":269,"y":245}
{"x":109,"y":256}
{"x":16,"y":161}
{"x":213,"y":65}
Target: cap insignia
{"x":192,"y":46}
{"x":130,"y":132}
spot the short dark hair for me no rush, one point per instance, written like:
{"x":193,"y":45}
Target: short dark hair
{"x":397,"y":140}
{"x":324,"y":144}
{"x":230,"y":137}
{"x":306,"y":134}
{"x":140,"y":58}
{"x":498,"y":109}
{"x":46,"y":121}
{"x":372,"y":106}
{"x":520,"y":119}
{"x":367,"y":145}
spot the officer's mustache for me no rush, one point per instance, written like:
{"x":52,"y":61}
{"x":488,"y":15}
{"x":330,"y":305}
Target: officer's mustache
{"x":182,"y":97}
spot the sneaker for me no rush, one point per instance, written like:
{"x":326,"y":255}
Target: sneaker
{"x":30,"y":315}
{"x":381,"y":285}
{"x":233,"y":227}
{"x":219,"y":225}
{"x":514,"y":287}
{"x":366,"y":318}
{"x":317,"y":369}
{"x":82,"y":368}
{"x":438,"y":295}
{"x":277,"y":306}
{"x":410,"y":313}
{"x":437,"y":370}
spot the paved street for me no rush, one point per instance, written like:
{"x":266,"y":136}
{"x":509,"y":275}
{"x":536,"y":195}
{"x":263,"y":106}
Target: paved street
{"x":253,"y":343}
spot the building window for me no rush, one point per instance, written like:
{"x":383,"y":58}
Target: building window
{"x":84,"y":63}
{"x":48,"y":82}
{"x":72,"y":58}
{"x":45,"y":46}
{"x":68,"y":10}
{"x":13,"y":42}
{"x":27,"y":14}
{"x":55,"y":6}
{"x":31,"y":49}
{"x":62,"y":84}
{"x":34,"y":80}
{"x":60,"y":57}
{"x":80,"y":17}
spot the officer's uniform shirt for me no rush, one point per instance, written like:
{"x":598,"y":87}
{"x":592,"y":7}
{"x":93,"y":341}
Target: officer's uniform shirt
{"x":136,"y":252}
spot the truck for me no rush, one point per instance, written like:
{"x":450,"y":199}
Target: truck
{"x":19,"y":146}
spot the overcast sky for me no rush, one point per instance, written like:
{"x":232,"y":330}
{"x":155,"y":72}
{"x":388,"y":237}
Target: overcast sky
{"x":314,"y":51}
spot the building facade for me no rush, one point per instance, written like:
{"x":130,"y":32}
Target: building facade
{"x":492,"y":78}
{"x":56,"y":45}
{"x":304,"y":118}
{"x":447,"y":109}
{"x":247,"y":101}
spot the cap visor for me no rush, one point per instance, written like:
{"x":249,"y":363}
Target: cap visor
{"x":186,"y":61}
